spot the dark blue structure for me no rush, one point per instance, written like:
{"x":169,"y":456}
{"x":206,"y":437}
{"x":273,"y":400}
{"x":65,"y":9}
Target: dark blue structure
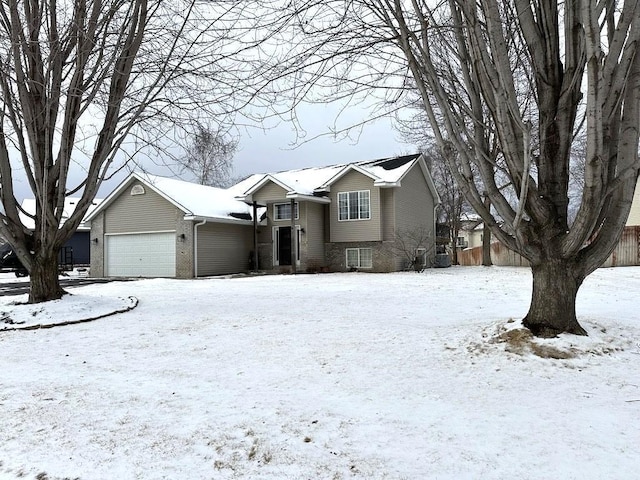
{"x":74,"y":253}
{"x":80,"y":243}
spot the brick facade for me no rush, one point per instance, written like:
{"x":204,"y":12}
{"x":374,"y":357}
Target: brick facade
{"x":383,"y":258}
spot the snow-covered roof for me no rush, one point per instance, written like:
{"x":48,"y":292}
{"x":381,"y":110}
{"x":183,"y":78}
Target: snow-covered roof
{"x":470,"y":217}
{"x":472,"y":226}
{"x":307,"y":181}
{"x":70,"y":203}
{"x":230,"y":205}
{"x":193,"y":199}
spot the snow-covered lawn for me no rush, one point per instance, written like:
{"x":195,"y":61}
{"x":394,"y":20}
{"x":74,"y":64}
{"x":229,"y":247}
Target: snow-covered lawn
{"x":334,"y":376}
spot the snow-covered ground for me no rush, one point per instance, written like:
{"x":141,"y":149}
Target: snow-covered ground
{"x":334,"y":376}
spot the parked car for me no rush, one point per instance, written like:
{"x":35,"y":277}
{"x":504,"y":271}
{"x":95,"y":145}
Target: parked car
{"x":9,"y":261}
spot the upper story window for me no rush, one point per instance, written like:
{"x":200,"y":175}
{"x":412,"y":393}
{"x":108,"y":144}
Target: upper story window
{"x":354,"y":205}
{"x":282,"y":211}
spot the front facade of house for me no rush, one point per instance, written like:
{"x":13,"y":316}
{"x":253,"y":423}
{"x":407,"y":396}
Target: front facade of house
{"x":348,"y":218}
{"x":338,"y":218}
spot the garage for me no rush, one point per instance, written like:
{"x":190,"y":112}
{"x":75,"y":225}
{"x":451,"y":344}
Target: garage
{"x":152,"y":226}
{"x":141,"y":255}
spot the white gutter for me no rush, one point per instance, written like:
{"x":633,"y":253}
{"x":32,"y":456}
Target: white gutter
{"x":309,"y":198}
{"x":231,"y":220}
{"x":195,"y":246}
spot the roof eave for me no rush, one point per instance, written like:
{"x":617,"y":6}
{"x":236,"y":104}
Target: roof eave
{"x":384,"y":184}
{"x":429,"y":178}
{"x":248,"y":199}
{"x":229,"y":220}
{"x":120,"y":188}
{"x":308,"y":198}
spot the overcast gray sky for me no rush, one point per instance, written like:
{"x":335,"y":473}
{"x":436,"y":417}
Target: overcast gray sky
{"x":272,"y":150}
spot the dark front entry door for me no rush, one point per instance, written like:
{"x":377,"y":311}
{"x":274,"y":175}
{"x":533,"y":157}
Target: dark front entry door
{"x":284,"y":245}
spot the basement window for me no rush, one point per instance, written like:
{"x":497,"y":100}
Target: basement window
{"x":359,"y":258}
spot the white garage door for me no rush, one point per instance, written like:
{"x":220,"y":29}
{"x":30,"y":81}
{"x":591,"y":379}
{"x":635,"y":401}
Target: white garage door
{"x":141,"y":255}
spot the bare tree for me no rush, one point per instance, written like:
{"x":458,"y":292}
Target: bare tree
{"x":88,"y":84}
{"x":415,"y":246}
{"x":505,"y":85}
{"x":209,"y":156}
{"x":452,"y":202}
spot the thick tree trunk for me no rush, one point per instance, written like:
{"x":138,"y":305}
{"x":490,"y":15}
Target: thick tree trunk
{"x":553,"y":302}
{"x":486,"y":246}
{"x":45,"y":284}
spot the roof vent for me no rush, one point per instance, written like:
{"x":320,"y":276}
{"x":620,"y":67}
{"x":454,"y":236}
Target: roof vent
{"x":137,"y":190}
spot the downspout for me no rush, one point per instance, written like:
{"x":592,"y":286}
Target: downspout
{"x":255,"y":236}
{"x":294,"y":240}
{"x":431,"y":261}
{"x":195,"y":247}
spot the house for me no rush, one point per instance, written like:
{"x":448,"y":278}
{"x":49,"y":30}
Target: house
{"x":338,"y":218}
{"x":77,"y":248}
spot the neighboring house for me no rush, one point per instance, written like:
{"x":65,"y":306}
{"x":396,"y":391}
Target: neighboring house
{"x":78,"y":246}
{"x":471,"y":231}
{"x":634,"y":214}
{"x":345,"y":217}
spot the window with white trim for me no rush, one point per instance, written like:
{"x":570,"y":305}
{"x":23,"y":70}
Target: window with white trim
{"x":282,"y":211}
{"x":354,"y":205}
{"x":359,"y":257}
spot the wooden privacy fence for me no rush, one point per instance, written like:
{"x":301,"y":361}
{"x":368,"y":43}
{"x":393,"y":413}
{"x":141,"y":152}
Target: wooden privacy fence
{"x":626,"y":253}
{"x":500,"y":256}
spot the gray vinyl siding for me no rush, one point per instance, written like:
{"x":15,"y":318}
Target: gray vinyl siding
{"x":414,"y":209}
{"x":223,"y":248}
{"x":313,"y":238}
{"x":270,"y":192}
{"x":148,"y":212}
{"x":414,"y":202}
{"x":387,"y":207}
{"x":355,"y":230}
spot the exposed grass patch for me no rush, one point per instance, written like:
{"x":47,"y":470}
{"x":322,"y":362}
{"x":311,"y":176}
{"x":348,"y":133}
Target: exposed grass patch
{"x":521,"y":341}
{"x":232,"y":450}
